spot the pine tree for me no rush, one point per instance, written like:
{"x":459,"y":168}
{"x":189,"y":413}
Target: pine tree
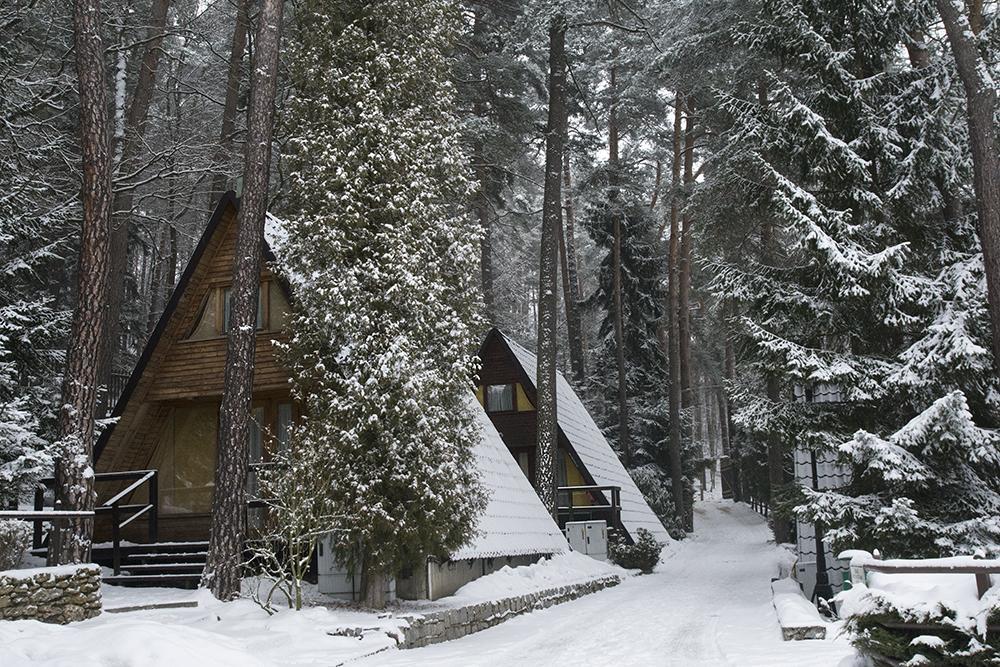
{"x":225,"y":546}
{"x":866,"y":278}
{"x":384,"y":265}
{"x":930,"y":489}
{"x":643,"y":300}
{"x":37,"y":192}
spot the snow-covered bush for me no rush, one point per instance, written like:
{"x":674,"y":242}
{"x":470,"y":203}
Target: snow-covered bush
{"x":14,"y":539}
{"x":949,"y":631}
{"x":643,"y":555}
{"x":295,"y":489}
{"x":930,"y":489}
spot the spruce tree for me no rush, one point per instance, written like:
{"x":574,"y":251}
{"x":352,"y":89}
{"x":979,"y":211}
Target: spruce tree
{"x":930,"y":489}
{"x":384,"y":265}
{"x":866,"y":281}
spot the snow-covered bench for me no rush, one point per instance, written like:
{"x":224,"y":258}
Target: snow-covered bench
{"x":796,"y":615}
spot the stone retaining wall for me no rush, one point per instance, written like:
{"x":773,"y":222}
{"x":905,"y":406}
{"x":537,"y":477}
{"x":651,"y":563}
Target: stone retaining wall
{"x":51,"y":594}
{"x":448,"y":624}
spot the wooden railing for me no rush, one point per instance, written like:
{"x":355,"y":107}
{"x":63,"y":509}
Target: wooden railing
{"x":863,"y":563}
{"x":758,"y":505}
{"x":121,"y":513}
{"x":610,"y":511}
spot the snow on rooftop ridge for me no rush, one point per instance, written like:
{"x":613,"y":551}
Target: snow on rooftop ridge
{"x":514,"y":522}
{"x":594,"y":450}
{"x":275,"y":233}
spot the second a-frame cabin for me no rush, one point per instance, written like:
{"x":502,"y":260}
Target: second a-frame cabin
{"x":156,"y":464}
{"x":594,"y":484}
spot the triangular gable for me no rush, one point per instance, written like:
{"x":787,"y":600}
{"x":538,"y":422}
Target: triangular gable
{"x":515,"y":522}
{"x":131,"y":404}
{"x":590,"y":446}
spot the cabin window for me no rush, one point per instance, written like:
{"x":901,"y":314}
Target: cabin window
{"x":284,"y":426}
{"x":186,"y":459}
{"x":205,"y":328}
{"x":500,"y":398}
{"x":278,"y":307}
{"x":255,"y":450}
{"x":227,"y":304}
{"x":524,"y":462}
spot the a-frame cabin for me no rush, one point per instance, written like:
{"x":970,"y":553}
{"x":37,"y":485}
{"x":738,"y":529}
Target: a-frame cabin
{"x":159,"y":457}
{"x":167,"y":415}
{"x":601,"y":487}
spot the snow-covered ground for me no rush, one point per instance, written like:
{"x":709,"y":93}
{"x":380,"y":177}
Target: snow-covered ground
{"x":708,"y":604}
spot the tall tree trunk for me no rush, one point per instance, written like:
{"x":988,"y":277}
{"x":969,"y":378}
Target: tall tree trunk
{"x":981,"y":102}
{"x":615,"y":204}
{"x":673,"y":337}
{"x":222,"y":571}
{"x":237,"y":48}
{"x":71,"y":541}
{"x":775,"y":447}
{"x":684,"y":268}
{"x":730,"y":374}
{"x":571,"y":280}
{"x":482,"y":198}
{"x":131,"y":144}
{"x":555,"y":136}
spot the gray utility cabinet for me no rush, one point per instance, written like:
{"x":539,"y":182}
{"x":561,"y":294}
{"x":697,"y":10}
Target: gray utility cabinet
{"x":589,"y":537}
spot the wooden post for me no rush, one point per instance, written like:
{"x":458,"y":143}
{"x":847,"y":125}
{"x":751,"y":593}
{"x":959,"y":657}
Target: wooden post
{"x":982,"y":583}
{"x":154,"y":500}
{"x":36,"y":537}
{"x":116,"y":539}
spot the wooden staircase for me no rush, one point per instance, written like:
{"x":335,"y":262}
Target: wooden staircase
{"x":158,"y":564}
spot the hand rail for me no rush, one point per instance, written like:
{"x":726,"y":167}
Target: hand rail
{"x":114,"y":506}
{"x":129,"y":489}
{"x":982,"y":571}
{"x":45,"y":515}
{"x":614,"y":505}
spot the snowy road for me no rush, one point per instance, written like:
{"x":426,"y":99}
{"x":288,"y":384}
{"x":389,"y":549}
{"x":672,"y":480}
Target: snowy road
{"x":708,"y":604}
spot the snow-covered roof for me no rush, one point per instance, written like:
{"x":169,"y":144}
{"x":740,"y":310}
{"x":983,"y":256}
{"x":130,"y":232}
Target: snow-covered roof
{"x":594,"y":450}
{"x":514,"y":522}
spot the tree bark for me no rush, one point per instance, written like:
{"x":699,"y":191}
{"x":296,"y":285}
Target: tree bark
{"x":731,"y":447}
{"x":135,"y":131}
{"x":571,"y":280}
{"x":684,"y":267}
{"x":222,"y":572}
{"x":555,"y":134}
{"x":981,"y":102}
{"x":482,"y":198}
{"x":775,"y":447}
{"x":71,"y":540}
{"x":673,"y":337}
{"x":614,"y":203}
{"x":237,"y":48}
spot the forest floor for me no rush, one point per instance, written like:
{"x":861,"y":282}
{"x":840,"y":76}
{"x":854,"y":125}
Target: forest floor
{"x":707,"y":604}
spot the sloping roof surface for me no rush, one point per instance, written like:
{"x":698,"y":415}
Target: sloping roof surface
{"x":515,"y":522}
{"x":594,"y":450}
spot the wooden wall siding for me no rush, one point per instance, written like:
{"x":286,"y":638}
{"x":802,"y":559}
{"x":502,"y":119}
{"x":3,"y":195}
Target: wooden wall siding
{"x":197,"y":369}
{"x":180,"y":369}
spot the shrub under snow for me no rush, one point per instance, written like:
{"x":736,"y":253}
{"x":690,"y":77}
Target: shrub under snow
{"x":15,"y":536}
{"x":643,"y":555}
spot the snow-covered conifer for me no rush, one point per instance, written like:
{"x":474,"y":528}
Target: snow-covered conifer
{"x":384,"y":266}
{"x":930,"y":489}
